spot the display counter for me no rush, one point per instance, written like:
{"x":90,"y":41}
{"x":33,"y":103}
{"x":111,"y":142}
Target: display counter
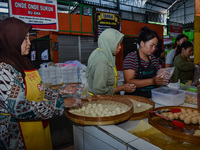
{"x":112,"y":137}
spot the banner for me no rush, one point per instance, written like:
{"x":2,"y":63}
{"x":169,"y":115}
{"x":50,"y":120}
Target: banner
{"x":41,"y":14}
{"x":175,"y":30}
{"x":105,"y":18}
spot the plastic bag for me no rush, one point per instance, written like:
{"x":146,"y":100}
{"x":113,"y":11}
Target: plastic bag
{"x":73,"y":102}
{"x":166,"y":72}
{"x":73,"y":90}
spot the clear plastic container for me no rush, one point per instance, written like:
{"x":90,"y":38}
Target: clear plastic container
{"x":168,"y":96}
{"x":191,"y":97}
{"x":198,"y":95}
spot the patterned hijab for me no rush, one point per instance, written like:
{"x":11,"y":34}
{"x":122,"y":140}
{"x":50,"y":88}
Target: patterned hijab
{"x":12,"y":34}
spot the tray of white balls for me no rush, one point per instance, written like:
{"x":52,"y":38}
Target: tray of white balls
{"x":99,"y":110}
{"x":141,"y":105}
{"x":189,"y":116}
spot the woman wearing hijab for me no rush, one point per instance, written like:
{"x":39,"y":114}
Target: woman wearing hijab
{"x":101,"y":70}
{"x":25,"y":106}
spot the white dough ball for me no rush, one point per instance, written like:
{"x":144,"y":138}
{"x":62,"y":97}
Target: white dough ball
{"x":123,"y":111}
{"x":99,"y":105}
{"x":194,"y":120}
{"x":196,"y":112}
{"x":96,"y":111}
{"x":91,"y":112}
{"x":101,"y":110}
{"x":183,"y":110}
{"x":99,"y":114}
{"x":94,"y":106}
{"x":93,"y":115}
{"x":182,"y":117}
{"x":79,"y":110}
{"x":71,"y":110}
{"x":176,"y":116}
{"x":106,"y":109}
{"x":197,"y":133}
{"x":187,"y":120}
{"x":171,"y":116}
{"x":165,"y":114}
{"x":87,"y":112}
{"x":189,"y":110}
{"x":83,"y":108}
{"x":139,"y":105}
{"x":89,"y":106}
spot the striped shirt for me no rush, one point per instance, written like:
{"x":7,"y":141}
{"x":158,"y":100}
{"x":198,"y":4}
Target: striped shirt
{"x":131,"y":62}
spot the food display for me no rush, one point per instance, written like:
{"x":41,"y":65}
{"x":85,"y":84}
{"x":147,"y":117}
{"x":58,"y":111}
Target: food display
{"x":140,"y":106}
{"x":101,"y":111}
{"x":189,"y":116}
{"x":103,"y":108}
{"x":191,"y":97}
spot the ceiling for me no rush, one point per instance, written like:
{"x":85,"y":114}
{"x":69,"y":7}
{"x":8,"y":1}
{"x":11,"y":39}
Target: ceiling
{"x":163,"y":6}
{"x":158,"y":6}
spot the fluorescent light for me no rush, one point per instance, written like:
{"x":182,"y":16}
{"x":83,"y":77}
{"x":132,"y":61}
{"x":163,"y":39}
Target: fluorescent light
{"x":3,"y":10}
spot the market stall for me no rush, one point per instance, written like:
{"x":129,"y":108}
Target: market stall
{"x":140,"y":131}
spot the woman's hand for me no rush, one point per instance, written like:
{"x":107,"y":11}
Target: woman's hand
{"x":159,"y":80}
{"x":129,"y":88}
{"x":72,"y":102}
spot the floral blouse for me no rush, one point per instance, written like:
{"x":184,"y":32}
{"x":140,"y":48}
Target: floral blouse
{"x":14,"y":107}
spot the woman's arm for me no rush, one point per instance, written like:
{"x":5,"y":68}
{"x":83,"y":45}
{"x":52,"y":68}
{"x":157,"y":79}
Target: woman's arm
{"x":129,"y":76}
{"x":13,"y":98}
{"x":129,"y":88}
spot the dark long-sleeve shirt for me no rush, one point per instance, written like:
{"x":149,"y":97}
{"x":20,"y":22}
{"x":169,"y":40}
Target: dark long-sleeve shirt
{"x":184,"y":70}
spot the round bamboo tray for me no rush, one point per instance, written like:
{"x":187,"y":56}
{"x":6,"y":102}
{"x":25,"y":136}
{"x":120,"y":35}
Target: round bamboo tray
{"x":135,"y":116}
{"x":142,"y":114}
{"x":180,"y":134}
{"x":85,"y":120}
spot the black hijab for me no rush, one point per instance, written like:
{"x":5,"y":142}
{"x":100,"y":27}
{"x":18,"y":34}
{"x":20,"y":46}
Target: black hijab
{"x":12,"y":34}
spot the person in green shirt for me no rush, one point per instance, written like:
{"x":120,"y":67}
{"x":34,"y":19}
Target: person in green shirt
{"x":101,"y":71}
{"x":184,"y":68}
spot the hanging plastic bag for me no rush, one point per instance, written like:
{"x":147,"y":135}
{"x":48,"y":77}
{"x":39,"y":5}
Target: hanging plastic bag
{"x":73,"y":90}
{"x":166,"y":72}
